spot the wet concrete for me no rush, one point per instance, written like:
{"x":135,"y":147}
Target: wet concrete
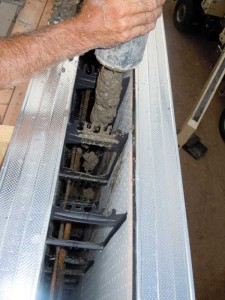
{"x":64,"y":9}
{"x":90,"y":161}
{"x":107,"y":97}
{"x":191,"y":59}
{"x":89,"y":194}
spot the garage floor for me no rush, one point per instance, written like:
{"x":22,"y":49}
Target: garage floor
{"x":191,"y":60}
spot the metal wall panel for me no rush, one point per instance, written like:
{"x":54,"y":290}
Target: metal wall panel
{"x":162,"y":263}
{"x":163,"y":269}
{"x":28,"y":178}
{"x":111,"y":276}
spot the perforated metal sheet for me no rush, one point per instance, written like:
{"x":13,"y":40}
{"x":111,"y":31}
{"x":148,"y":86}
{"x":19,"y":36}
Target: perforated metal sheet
{"x":28,"y":178}
{"x":163,"y":269}
{"x":111,"y":276}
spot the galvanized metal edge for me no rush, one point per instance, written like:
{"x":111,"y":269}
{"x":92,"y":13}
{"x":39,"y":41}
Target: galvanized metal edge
{"x":28,"y":179}
{"x":163,"y":260}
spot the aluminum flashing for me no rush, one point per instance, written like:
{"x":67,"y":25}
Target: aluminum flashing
{"x":163,"y":261}
{"x":28,"y":179}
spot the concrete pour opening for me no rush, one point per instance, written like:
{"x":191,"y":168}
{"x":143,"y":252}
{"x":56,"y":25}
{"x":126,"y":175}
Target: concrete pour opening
{"x":95,"y":178}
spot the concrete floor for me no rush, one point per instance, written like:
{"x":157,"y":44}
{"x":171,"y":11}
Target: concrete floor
{"x":191,"y":59}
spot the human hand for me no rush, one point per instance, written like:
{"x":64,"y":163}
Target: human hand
{"x":112,"y":22}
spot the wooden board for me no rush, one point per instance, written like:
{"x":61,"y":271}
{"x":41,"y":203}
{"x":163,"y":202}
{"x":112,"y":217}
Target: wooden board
{"x":34,"y":14}
{"x":46,"y":14}
{"x":5,"y":96}
{"x":3,"y":109}
{"x":5,"y":137}
{"x":15,"y":104}
{"x":30,"y":16}
{"x":7,"y":14}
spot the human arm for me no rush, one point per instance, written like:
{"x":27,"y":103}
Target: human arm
{"x":100,"y":24}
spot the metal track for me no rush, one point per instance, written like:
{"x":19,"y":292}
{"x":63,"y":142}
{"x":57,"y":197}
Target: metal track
{"x":28,"y":179}
{"x":163,"y":262}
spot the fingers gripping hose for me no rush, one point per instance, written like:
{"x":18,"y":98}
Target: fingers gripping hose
{"x":115,"y":61}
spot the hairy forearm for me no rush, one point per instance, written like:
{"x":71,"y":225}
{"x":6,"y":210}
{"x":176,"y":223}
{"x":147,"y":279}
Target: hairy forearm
{"x":24,"y":56}
{"x":100,"y":24}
